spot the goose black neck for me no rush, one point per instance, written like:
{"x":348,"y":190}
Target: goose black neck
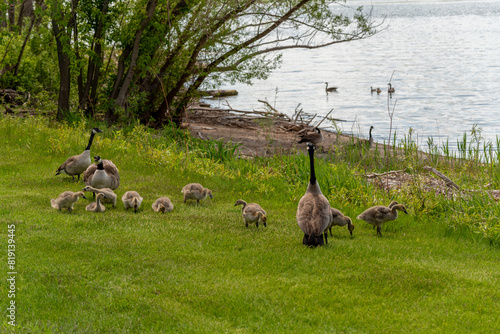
{"x":90,"y":141}
{"x":312,"y":180}
{"x":371,"y":132}
{"x":100,"y":165}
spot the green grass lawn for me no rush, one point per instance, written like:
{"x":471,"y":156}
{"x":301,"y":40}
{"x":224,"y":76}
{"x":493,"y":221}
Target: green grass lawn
{"x":199,"y":270}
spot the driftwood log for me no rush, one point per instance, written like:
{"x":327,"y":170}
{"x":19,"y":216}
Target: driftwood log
{"x":446,"y":180}
{"x":219,"y":92}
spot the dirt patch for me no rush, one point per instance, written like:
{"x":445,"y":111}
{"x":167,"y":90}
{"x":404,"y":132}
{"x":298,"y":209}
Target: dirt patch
{"x":258,"y":135}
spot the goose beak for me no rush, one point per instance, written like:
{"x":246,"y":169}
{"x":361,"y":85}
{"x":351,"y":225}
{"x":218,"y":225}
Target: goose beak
{"x":84,"y":197}
{"x":210,"y":195}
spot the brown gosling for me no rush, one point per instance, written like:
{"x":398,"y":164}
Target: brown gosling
{"x":132,"y":199}
{"x":313,"y":213}
{"x":162,"y":204}
{"x":339,"y":219}
{"x":252,"y":213}
{"x":97,"y":206}
{"x":77,"y":164}
{"x":379,"y":214}
{"x":66,"y":200}
{"x":102,"y":174}
{"x":311,"y":137}
{"x":110,"y":196}
{"x":195,"y":191}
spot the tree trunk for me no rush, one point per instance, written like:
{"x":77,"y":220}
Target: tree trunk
{"x":11,"y":13}
{"x":26,"y":10}
{"x":64,"y":73}
{"x":88,"y":97}
{"x":16,"y":67}
{"x":121,"y":86}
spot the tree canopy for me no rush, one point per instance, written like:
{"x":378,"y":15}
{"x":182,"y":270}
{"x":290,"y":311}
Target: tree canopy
{"x":150,"y":58}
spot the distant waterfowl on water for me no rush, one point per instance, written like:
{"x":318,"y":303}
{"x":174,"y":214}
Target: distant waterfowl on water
{"x":330,"y":89}
{"x":391,"y":89}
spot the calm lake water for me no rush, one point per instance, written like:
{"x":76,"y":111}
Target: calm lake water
{"x":446,"y":58}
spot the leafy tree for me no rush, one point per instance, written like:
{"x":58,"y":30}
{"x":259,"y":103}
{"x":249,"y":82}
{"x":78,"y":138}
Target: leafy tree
{"x":150,"y":58}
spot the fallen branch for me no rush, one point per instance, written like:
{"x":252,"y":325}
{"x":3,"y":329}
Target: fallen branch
{"x":369,"y":176}
{"x":317,"y":125}
{"x":446,"y":180}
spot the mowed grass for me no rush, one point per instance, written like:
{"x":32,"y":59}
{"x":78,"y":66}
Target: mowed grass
{"x":199,"y":270}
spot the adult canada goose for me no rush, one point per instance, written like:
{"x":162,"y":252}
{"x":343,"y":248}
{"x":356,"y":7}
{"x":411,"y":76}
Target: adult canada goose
{"x":391,"y":89}
{"x":252,"y":213}
{"x":109,"y":196}
{"x":66,"y":200}
{"x":339,"y":219}
{"x":330,"y":89}
{"x":311,"y":137}
{"x":163,"y":204}
{"x":368,"y":144}
{"x":373,"y":90}
{"x":195,"y":191}
{"x":379,"y":214}
{"x":132,"y":199}
{"x":313,"y":213}
{"x":97,"y":206}
{"x":77,"y":164}
{"x":103,"y":174}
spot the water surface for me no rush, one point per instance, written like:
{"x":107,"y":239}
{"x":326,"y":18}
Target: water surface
{"x":446,"y":58}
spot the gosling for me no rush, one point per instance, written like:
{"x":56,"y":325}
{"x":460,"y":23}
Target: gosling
{"x":97,"y":206}
{"x":132,"y":199}
{"x":66,"y":200}
{"x":378,"y":215}
{"x":339,"y":219}
{"x":109,"y":195}
{"x":195,"y":191}
{"x":252,"y":212}
{"x":162,"y":204}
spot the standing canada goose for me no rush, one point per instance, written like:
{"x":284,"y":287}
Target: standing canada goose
{"x":391,"y":89}
{"x":66,"y":200}
{"x":311,"y":137}
{"x":109,"y":195}
{"x":132,"y":199}
{"x":163,"y":204}
{"x":379,"y":214}
{"x":368,"y":144}
{"x":195,"y":191}
{"x":330,"y":89}
{"x":77,"y":164}
{"x":313,"y":214}
{"x":103,"y":174}
{"x":252,"y":212}
{"x":97,"y":206}
{"x":339,"y":219}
